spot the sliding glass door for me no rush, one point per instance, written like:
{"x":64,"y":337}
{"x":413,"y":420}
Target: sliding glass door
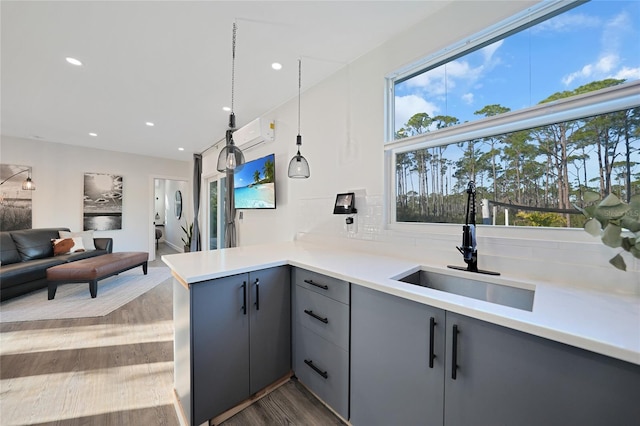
{"x":216,"y":212}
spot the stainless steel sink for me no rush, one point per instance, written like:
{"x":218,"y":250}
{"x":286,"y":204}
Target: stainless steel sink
{"x":502,"y":294}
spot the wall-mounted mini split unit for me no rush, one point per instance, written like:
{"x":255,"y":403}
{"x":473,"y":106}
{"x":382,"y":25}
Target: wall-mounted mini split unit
{"x":255,"y":133}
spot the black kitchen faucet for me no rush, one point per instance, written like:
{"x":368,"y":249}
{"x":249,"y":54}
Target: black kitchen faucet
{"x":468,"y":248}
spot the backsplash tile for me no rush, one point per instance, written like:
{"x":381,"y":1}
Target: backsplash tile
{"x":549,"y":258}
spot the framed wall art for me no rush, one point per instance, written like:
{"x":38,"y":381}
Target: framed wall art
{"x":102,"y":202}
{"x":15,"y":202}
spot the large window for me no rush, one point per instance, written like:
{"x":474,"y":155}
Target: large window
{"x":535,"y":115}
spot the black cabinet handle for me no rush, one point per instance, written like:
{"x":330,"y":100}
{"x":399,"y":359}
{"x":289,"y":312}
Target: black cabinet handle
{"x":454,"y":353}
{"x":322,"y":286}
{"x":316,"y":369}
{"x":257,"y":294}
{"x":432,"y":327}
{"x":244,"y":297}
{"x":316,"y":316}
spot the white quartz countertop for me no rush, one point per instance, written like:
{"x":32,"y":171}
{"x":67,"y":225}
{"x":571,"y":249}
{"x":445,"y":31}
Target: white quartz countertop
{"x":601,"y":322}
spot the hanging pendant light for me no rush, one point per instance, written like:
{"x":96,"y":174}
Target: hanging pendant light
{"x":231,"y":156}
{"x":28,"y":185}
{"x":298,"y":166}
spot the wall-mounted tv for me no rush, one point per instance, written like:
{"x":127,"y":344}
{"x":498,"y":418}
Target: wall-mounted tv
{"x":255,"y":184}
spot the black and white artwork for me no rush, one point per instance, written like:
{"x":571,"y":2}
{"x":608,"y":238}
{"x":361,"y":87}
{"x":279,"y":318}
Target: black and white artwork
{"x":102,"y":202}
{"x":15,"y":202}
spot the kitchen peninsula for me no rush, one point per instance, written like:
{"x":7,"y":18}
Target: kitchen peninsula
{"x":576,"y":351}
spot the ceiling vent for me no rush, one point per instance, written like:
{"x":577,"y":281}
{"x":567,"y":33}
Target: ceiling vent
{"x":255,"y":133}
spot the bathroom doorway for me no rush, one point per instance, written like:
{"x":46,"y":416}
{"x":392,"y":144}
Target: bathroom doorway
{"x":172,"y":210}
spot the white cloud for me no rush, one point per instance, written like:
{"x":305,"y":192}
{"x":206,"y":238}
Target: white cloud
{"x":407,"y":106}
{"x":599,"y":70}
{"x":490,"y":50}
{"x":627,"y":73}
{"x":456,"y":78}
{"x":567,"y":22}
{"x":615,"y":31}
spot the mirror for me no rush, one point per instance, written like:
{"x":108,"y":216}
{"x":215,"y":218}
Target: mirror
{"x":178,"y":204}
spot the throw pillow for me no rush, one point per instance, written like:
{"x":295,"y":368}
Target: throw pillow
{"x":67,"y":245}
{"x":87,"y":238}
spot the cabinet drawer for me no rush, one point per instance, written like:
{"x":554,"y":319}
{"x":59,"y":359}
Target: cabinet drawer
{"x":326,"y":317}
{"x":326,"y":370}
{"x":322,"y":284}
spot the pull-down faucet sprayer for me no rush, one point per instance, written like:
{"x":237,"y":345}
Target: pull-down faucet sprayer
{"x":468,"y":249}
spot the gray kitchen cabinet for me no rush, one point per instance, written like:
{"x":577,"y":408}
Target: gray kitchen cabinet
{"x":507,"y":377}
{"x":501,"y":376}
{"x":397,"y":360}
{"x":240,"y":340}
{"x":270,"y":326}
{"x":321,"y":337}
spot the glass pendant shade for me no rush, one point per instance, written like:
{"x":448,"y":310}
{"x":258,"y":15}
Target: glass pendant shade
{"x":298,"y":166}
{"x":28,"y":185}
{"x":230,"y":156}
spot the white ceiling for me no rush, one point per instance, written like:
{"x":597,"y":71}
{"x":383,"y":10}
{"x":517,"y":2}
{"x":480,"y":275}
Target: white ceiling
{"x":169,"y":62}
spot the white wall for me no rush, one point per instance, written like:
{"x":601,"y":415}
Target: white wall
{"x":343,"y":136}
{"x":58,"y":171}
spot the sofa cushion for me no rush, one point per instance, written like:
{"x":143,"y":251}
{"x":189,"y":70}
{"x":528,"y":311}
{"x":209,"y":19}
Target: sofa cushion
{"x":22,"y":272}
{"x":35,"y":243}
{"x":87,"y":238}
{"x":67,"y":245}
{"x":8,"y":250}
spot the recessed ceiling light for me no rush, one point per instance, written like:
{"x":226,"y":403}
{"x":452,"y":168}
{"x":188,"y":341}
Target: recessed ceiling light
{"x":181,"y":149}
{"x":226,"y":109}
{"x":93,"y":134}
{"x":276,"y":66}
{"x":149,"y":123}
{"x":74,"y":61}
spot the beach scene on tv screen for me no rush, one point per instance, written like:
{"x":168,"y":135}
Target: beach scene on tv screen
{"x":254,"y":184}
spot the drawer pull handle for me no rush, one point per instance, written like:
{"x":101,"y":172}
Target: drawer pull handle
{"x":316,"y":369}
{"x":432,"y":327}
{"x":322,"y":286}
{"x":454,"y":353}
{"x":316,"y":316}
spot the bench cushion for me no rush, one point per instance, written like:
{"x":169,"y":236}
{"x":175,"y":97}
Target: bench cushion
{"x":96,"y":267}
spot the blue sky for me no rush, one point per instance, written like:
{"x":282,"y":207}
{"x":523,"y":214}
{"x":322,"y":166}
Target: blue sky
{"x":591,"y":42}
{"x":244,"y":176}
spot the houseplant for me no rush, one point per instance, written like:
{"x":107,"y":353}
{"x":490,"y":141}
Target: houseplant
{"x":188,"y":232}
{"x":615,"y":222}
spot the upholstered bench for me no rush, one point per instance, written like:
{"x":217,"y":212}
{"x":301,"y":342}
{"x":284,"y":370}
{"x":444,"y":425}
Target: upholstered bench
{"x":94,"y":269}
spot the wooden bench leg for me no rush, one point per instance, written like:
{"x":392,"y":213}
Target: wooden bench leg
{"x":144,"y":268}
{"x":93,"y":288}
{"x":52,"y":287}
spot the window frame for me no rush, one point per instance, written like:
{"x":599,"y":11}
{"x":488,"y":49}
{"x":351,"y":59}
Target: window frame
{"x":604,"y":101}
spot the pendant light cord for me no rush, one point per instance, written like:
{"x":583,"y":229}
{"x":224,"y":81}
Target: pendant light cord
{"x":299,"y":87}
{"x":233,"y":63}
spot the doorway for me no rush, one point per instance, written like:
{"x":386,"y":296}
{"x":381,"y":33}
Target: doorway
{"x":172,"y":209}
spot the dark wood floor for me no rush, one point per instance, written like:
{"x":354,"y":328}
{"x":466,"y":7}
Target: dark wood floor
{"x":117,"y":370}
{"x":290,"y":404}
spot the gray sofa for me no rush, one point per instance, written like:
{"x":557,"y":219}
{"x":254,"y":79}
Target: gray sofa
{"x":25,"y":256}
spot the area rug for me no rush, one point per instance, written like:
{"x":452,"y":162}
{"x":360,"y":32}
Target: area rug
{"x":74,"y":300}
